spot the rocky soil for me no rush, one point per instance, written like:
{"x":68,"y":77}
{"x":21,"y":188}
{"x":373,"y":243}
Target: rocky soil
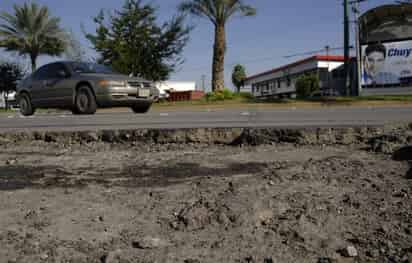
{"x":258,"y":199}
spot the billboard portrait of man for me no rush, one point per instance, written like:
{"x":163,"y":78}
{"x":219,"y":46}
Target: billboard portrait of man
{"x":374,"y":61}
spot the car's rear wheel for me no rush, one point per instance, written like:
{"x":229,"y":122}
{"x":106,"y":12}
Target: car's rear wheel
{"x":75,"y":111}
{"x":26,"y":107}
{"x":141,"y":108}
{"x":85,"y":103}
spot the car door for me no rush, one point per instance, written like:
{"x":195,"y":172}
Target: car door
{"x":57,"y":86}
{"x":37,"y":92}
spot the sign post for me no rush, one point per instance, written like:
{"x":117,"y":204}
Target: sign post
{"x":346,"y":45}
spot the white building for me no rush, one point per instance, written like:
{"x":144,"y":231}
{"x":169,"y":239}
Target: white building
{"x":281,"y":81}
{"x":165,"y":86}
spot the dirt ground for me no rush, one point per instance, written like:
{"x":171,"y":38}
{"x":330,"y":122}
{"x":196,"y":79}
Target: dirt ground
{"x":199,"y":203}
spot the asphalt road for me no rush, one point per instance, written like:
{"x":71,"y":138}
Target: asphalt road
{"x":291,"y":118}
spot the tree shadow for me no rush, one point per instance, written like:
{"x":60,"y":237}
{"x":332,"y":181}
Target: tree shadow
{"x":20,"y":177}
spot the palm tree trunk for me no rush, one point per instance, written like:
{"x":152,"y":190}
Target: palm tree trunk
{"x":33,"y":58}
{"x":218,"y":75}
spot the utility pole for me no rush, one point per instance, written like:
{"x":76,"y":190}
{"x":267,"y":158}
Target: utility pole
{"x":328,"y":72}
{"x":203,"y":82}
{"x":346,"y":45}
{"x":356,"y":10}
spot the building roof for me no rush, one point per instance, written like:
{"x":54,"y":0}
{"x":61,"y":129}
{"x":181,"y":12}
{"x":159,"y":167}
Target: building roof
{"x":297,"y":63}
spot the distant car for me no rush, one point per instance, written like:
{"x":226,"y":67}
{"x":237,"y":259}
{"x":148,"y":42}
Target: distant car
{"x":11,"y":99}
{"x":82,"y":88}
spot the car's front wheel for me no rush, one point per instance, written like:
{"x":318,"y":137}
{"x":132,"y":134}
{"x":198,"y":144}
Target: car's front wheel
{"x":26,"y":107}
{"x":141,"y":108}
{"x":85,"y":103}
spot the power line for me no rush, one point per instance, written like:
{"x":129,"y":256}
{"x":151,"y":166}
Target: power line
{"x":314,"y":52}
{"x":261,"y":59}
{"x":228,"y":65}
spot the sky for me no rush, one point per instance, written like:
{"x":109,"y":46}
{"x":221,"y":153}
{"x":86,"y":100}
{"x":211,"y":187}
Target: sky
{"x":260,"y":43}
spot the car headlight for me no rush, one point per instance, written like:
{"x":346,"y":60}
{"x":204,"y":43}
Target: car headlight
{"x":112,"y":83}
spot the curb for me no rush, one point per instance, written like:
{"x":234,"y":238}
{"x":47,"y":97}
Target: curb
{"x":223,"y":136}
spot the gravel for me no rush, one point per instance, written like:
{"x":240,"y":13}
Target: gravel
{"x":274,"y":201}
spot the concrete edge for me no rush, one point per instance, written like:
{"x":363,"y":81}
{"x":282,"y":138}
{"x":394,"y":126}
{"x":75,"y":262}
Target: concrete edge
{"x":225,"y":136}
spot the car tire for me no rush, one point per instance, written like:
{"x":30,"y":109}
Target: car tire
{"x":141,"y":108}
{"x":75,"y":111}
{"x":85,"y":103}
{"x":26,"y":107}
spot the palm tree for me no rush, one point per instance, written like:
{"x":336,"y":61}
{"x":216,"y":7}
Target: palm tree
{"x":238,"y":76}
{"x":31,"y":31}
{"x":218,"y":12}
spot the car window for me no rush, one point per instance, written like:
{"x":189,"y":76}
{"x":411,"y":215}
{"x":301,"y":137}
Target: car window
{"x":81,"y":67}
{"x":41,"y":73}
{"x":49,"y":71}
{"x":53,"y":70}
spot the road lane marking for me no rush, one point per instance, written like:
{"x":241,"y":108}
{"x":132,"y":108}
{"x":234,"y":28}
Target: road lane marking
{"x":164,"y":114}
{"x":245,"y":113}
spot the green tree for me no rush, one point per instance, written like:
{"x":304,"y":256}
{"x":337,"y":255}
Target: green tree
{"x":238,"y":76}
{"x":31,"y":31}
{"x":74,"y":50}
{"x":218,"y":12}
{"x":306,"y":85}
{"x":10,"y":74}
{"x":132,"y":43}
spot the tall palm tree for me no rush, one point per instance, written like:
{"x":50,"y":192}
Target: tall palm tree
{"x":32,"y":31}
{"x":218,"y":12}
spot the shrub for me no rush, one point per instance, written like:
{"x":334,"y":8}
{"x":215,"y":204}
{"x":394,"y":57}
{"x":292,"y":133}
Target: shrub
{"x":220,"y":95}
{"x":306,"y":85}
{"x":227,"y":94}
{"x":245,"y":95}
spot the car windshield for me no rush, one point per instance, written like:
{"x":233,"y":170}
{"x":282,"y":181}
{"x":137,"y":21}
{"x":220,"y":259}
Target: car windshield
{"x":91,"y":68}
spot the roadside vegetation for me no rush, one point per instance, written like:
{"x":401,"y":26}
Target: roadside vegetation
{"x":31,"y":31}
{"x":10,"y":74}
{"x":238,"y":76}
{"x":229,"y":99}
{"x":132,"y":42}
{"x":306,"y":85}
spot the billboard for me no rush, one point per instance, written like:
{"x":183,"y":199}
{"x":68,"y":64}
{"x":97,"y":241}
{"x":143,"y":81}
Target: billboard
{"x":387,"y":64}
{"x":386,"y":23}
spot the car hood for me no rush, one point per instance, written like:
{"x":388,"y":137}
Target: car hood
{"x":116,"y":77}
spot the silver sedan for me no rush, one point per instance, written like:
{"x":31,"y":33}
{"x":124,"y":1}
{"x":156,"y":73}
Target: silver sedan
{"x":82,"y":88}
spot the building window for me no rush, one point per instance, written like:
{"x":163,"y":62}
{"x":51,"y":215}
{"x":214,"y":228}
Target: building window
{"x":288,"y":82}
{"x":278,"y":83}
{"x":272,"y":85}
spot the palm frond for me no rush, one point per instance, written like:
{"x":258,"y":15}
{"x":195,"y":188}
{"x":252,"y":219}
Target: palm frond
{"x":200,"y":8}
{"x":31,"y":30}
{"x":217,"y":11}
